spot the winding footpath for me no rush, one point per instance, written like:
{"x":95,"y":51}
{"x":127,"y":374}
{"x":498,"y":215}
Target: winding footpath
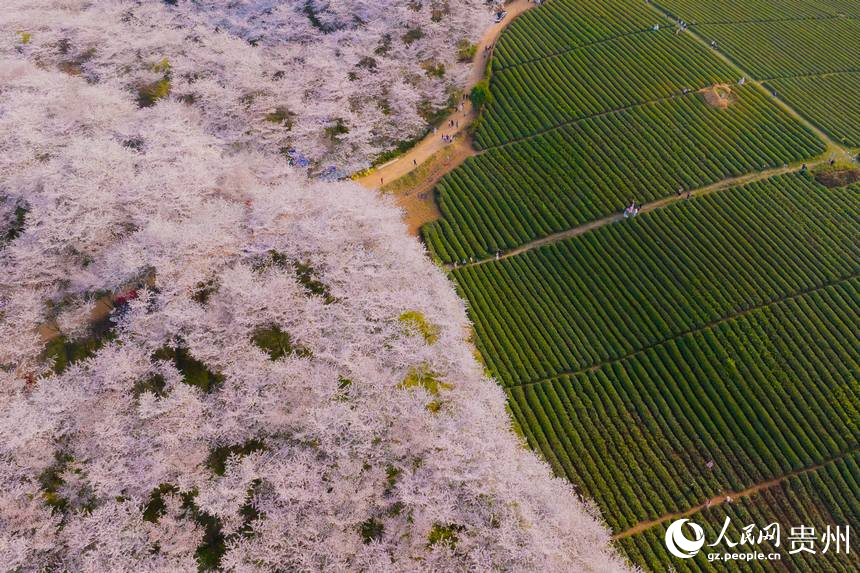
{"x":433,"y":143}
{"x":726,"y":497}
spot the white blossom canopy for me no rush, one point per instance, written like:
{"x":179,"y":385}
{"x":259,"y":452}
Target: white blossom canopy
{"x":284,"y":382}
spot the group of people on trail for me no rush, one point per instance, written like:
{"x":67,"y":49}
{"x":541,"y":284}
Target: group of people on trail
{"x":631,"y":211}
{"x":464,"y":262}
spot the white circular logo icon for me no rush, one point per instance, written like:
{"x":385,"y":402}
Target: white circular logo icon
{"x":677,"y":542}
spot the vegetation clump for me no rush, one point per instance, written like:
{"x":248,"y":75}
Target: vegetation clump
{"x":148,"y":94}
{"x":62,"y":352}
{"x":466,"y":50}
{"x":217,"y":460}
{"x":417,"y":322}
{"x":371,"y":530}
{"x":306,"y":276}
{"x":15,"y":225}
{"x":422,"y":377}
{"x":153,"y":383}
{"x":444,"y":534}
{"x":194,"y":372}
{"x":412,"y":35}
{"x":281,"y":115}
{"x":277,"y":343}
{"x":480,"y":94}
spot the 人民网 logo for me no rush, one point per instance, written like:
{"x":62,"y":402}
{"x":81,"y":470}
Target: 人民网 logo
{"x":678,"y":543}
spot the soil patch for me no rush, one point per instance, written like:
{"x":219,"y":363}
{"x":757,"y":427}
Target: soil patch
{"x":414,"y":191}
{"x":719,"y":95}
{"x":838,"y":177}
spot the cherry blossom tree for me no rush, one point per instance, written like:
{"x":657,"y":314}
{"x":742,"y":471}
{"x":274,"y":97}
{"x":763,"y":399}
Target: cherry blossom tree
{"x":210,"y":361}
{"x":338,"y":81}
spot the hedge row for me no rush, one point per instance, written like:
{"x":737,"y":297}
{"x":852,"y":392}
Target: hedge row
{"x":722,"y":11}
{"x":761,"y":395}
{"x":509,"y":196}
{"x":826,"y":496}
{"x":621,"y":288}
{"x":791,"y":47}
{"x":595,"y":79}
{"x":832,"y":102}
{"x":561,"y":25}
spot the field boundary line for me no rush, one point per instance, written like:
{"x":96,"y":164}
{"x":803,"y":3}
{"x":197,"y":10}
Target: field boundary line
{"x":813,"y":75}
{"x":720,"y":185}
{"x":722,"y":498}
{"x":562,"y":125}
{"x":705,"y":326}
{"x":570,"y":49}
{"x":832,"y":146}
{"x":770,"y":20}
{"x":649,"y":29}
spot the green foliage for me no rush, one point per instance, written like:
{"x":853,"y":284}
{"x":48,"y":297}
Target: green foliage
{"x":51,"y":480}
{"x":204,"y":290}
{"x":154,"y":383}
{"x":62,"y":352}
{"x":392,"y":474}
{"x":214,"y":544}
{"x":305,"y":273}
{"x":815,"y":499}
{"x":150,"y":93}
{"x":155,"y":506}
{"x":14,"y":226}
{"x":466,"y":50}
{"x":412,"y":35}
{"x":563,"y":25}
{"x":434,"y":69}
{"x":17,"y":226}
{"x":194,"y":372}
{"x":422,"y":377}
{"x":415,"y":321}
{"x":557,"y":180}
{"x":311,"y":13}
{"x":788,"y":47}
{"x":830,"y":101}
{"x":384,"y":46}
{"x":339,"y":127}
{"x":367,"y":62}
{"x":371,"y":530}
{"x":480,"y":94}
{"x":307,"y":278}
{"x":621,"y":288}
{"x":444,"y":534}
{"x":217,"y":460}
{"x":271,"y":259}
{"x":277,"y":343}
{"x":24,"y":37}
{"x":282,"y":116}
{"x":162,"y":67}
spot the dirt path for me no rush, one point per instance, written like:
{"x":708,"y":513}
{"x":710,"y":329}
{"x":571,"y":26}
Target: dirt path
{"x":432,"y":144}
{"x":647,"y":207}
{"x":414,"y":191}
{"x":724,"y":497}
